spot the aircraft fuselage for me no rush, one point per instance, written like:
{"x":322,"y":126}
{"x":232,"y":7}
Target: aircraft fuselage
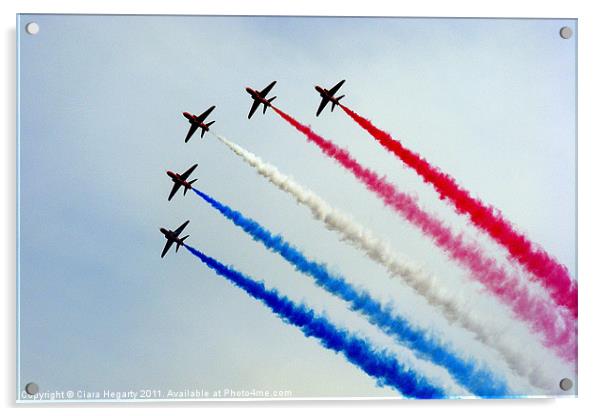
{"x":176,"y":178}
{"x":324,"y":94}
{"x":257,"y":96}
{"x":192,"y":119}
{"x":170,"y":235}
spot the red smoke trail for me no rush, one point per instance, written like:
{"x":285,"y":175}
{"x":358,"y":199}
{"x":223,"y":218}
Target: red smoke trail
{"x":557,"y":329}
{"x":552,"y":275}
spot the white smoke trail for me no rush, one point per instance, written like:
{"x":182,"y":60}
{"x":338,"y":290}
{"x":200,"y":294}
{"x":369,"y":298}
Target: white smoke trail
{"x":455,"y":310}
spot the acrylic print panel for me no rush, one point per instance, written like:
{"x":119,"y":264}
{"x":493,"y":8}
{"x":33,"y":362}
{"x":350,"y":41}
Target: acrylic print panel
{"x":414,"y":240}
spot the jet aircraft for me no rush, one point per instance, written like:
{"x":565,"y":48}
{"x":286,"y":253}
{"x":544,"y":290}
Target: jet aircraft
{"x":259,"y":97}
{"x":181,"y":180}
{"x":197,"y":122}
{"x":329,"y":96}
{"x":173,"y":237}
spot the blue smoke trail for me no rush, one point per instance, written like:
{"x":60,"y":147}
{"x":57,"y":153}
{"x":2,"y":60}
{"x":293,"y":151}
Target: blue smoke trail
{"x":480,"y":381}
{"x":379,"y":364}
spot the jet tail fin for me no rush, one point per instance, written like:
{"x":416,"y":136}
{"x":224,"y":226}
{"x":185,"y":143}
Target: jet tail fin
{"x":336,"y":101}
{"x":206,"y":128}
{"x":190,"y":183}
{"x":181,"y":242}
{"x":265,"y":106}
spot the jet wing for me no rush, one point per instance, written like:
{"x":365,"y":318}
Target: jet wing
{"x":254,"y":108}
{"x":186,"y":174}
{"x":193,"y":128}
{"x":181,"y":228}
{"x":166,"y":248}
{"x":203,"y":116}
{"x":323,"y":104}
{"x":334,"y":89}
{"x":267,"y":89}
{"x":174,"y":190}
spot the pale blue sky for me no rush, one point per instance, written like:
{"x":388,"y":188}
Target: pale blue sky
{"x":490,"y":101}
